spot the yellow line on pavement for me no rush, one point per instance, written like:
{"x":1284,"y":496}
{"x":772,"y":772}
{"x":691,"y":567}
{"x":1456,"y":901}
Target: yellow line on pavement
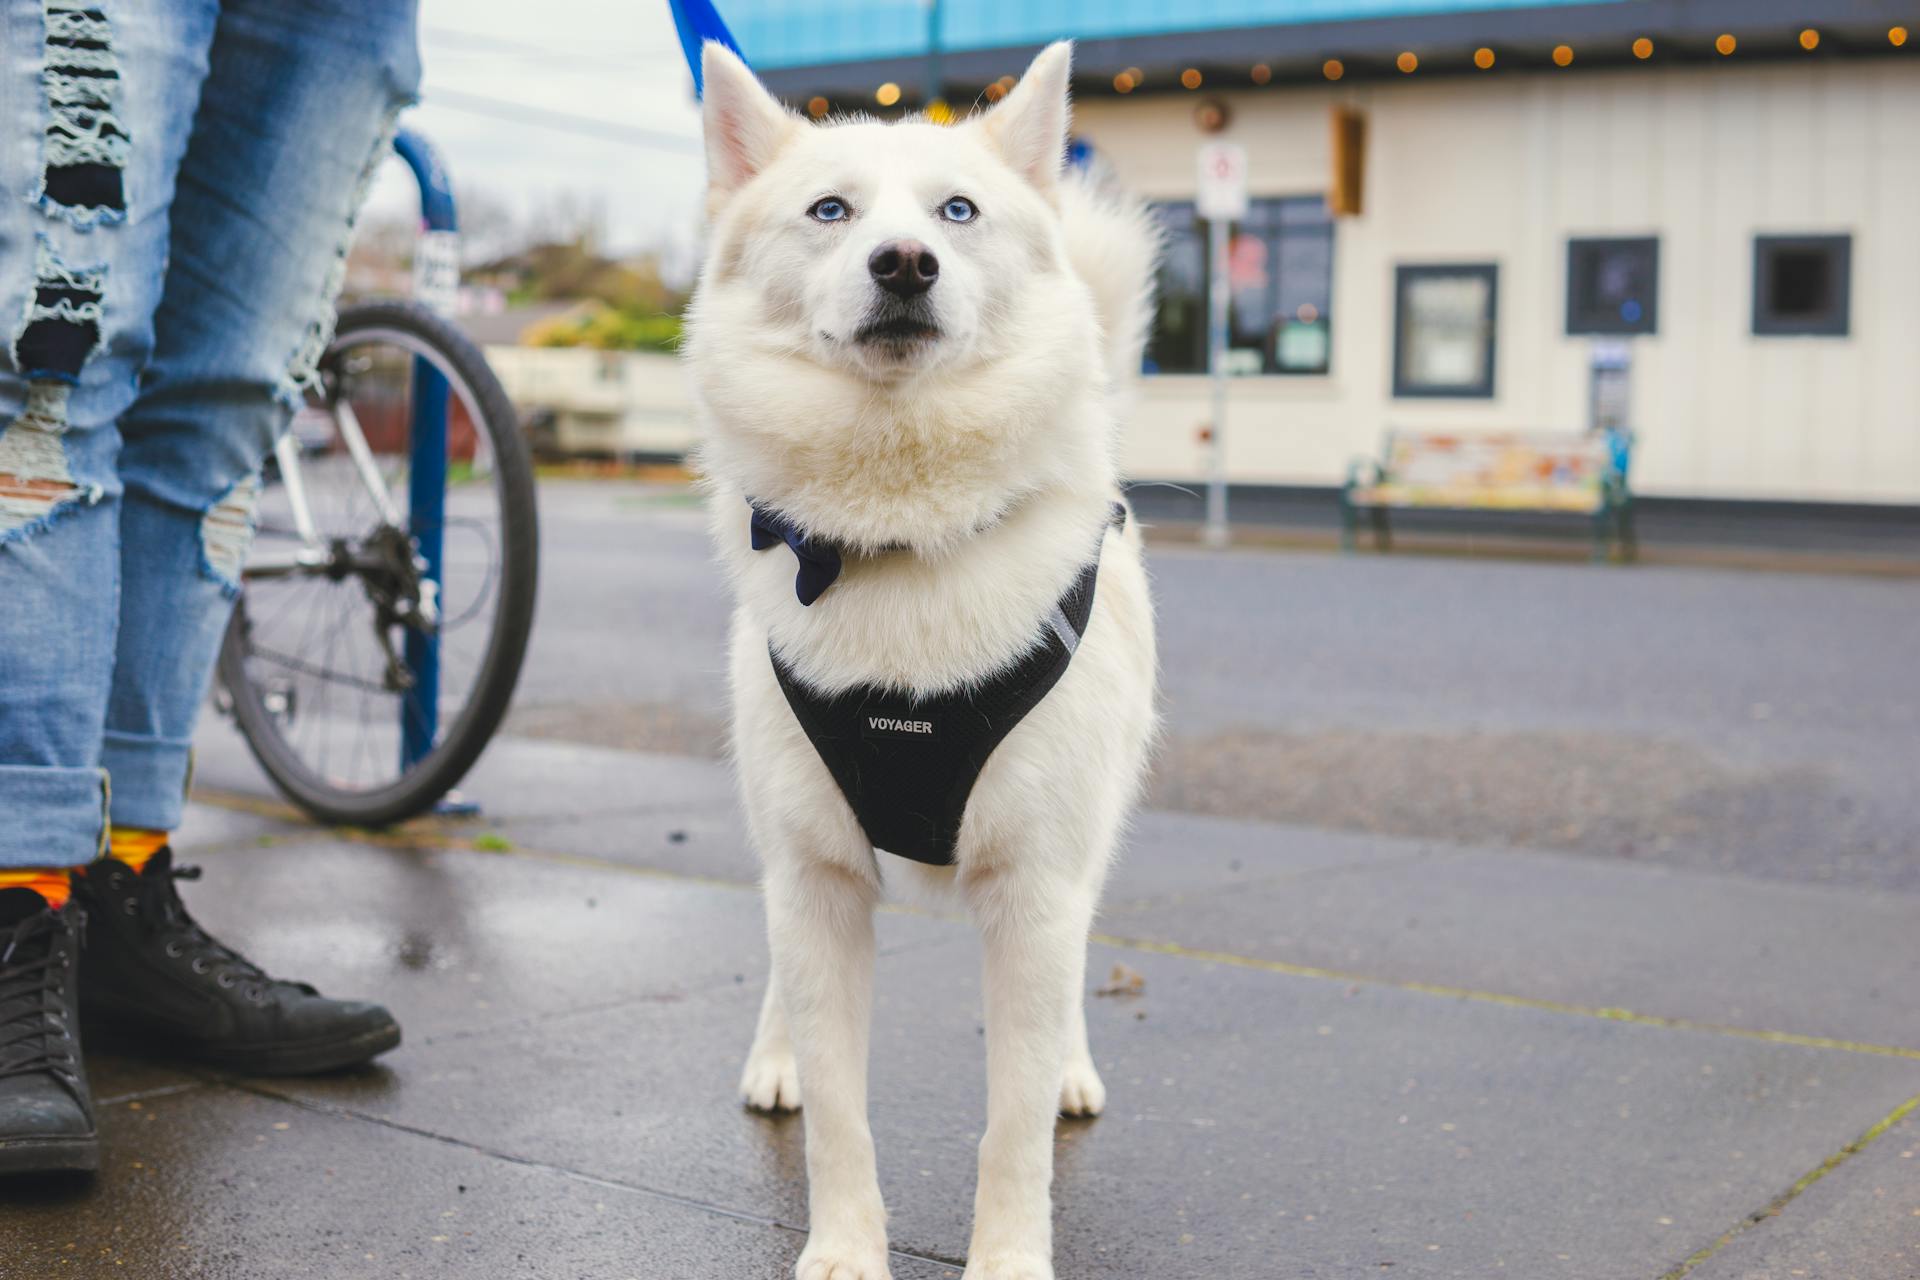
{"x":1787,"y":1197}
{"x":484,"y":843}
{"x":428,"y":834}
{"x":1502,"y":998}
{"x":258,"y":806}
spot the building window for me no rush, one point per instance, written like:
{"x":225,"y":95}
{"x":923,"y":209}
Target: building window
{"x":1178,"y":343}
{"x":1443,"y":334}
{"x":1801,"y":285}
{"x":1280,"y":278}
{"x":1613,"y":286}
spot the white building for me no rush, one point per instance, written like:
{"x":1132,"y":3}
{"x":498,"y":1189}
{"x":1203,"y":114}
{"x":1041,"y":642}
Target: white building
{"x":1723,"y":195}
{"x":584,"y":402}
{"x":599,"y":404}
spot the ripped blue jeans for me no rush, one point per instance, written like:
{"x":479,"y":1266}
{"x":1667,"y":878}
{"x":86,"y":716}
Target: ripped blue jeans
{"x":178,"y":179}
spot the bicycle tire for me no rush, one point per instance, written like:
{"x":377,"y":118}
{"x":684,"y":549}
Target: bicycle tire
{"x":422,"y":786}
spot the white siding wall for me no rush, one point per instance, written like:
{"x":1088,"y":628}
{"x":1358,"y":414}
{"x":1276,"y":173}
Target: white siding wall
{"x":606,"y":402}
{"x":1505,"y":168}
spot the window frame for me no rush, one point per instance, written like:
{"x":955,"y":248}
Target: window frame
{"x":1838,"y":321}
{"x":1275,"y":231}
{"x":1326,"y":230}
{"x":1198,"y":225}
{"x":1405,"y":274}
{"x":1591,"y":321}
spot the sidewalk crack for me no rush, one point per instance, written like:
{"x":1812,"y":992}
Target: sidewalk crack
{"x":1787,"y":1197}
{"x":576,"y":1175}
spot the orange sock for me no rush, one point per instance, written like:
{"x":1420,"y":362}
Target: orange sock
{"x":135,"y":846}
{"x":54,"y":884}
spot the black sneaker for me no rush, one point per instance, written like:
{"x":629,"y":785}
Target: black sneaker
{"x":153,"y":982}
{"x":46,"y":1110}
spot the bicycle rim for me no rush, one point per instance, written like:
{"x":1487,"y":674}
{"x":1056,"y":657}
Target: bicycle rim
{"x":313,"y":688}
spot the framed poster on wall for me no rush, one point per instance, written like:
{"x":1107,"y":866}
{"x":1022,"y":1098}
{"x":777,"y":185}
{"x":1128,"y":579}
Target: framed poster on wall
{"x":1443,"y":333}
{"x":1613,"y":285}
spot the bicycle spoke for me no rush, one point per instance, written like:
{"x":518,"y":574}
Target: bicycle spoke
{"x":310,"y":651}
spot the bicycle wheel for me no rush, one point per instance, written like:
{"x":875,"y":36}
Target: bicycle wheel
{"x":365,"y":689}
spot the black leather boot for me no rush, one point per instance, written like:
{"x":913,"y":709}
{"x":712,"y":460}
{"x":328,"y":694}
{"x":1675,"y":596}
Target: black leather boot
{"x":46,"y":1110}
{"x":153,"y":983}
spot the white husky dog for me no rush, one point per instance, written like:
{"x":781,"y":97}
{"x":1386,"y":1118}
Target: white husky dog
{"x":910,"y":342}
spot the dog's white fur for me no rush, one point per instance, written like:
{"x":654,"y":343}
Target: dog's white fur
{"x":969,"y":476}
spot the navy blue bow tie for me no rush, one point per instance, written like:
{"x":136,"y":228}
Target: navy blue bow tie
{"x":819,"y":560}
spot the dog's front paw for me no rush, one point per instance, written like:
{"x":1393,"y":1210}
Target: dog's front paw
{"x":842,"y":1260}
{"x":1009,"y":1266}
{"x":771,"y":1081}
{"x":1081,"y":1093}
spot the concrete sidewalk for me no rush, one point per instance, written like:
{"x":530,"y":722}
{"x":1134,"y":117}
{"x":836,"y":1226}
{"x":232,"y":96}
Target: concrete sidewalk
{"x":1353,"y":1054}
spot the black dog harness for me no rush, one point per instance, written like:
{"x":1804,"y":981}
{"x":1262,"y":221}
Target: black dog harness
{"x":907,"y":764}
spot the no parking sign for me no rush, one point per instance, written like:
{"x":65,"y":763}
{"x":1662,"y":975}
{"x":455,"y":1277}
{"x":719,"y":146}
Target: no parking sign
{"x":1222,"y":192}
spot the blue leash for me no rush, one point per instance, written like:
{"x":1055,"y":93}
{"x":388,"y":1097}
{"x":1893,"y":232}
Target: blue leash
{"x":698,"y":21}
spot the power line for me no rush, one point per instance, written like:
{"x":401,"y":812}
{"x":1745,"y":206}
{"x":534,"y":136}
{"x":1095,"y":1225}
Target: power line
{"x":550,"y":53}
{"x":564,"y":121}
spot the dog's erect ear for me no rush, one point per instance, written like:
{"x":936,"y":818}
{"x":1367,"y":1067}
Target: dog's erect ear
{"x":1030,"y":127}
{"x":745,"y":126}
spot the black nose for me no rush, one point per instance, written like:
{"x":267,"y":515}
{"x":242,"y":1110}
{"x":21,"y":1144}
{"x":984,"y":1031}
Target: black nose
{"x":903,"y":267}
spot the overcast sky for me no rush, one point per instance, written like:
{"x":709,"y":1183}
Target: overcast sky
{"x":498,"y":72}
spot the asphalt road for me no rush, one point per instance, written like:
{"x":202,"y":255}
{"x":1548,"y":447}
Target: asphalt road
{"x":1760,"y":723}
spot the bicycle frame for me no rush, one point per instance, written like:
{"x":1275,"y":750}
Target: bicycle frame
{"x":286,"y":453}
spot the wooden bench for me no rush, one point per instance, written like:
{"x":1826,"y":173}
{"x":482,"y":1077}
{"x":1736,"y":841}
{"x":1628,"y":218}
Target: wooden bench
{"x":1574,"y":474}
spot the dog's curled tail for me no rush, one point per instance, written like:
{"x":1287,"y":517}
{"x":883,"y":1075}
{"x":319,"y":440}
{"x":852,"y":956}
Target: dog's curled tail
{"x":1114,"y":244}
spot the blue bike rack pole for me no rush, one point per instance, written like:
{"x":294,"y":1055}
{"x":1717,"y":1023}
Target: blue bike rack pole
{"x":427,"y":470}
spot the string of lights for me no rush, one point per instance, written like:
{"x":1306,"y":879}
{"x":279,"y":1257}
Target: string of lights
{"x":1407,"y":62}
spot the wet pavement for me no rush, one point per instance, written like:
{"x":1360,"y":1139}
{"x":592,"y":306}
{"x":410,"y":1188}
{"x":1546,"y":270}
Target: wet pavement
{"x":1351,"y":1054}
{"x":1491,"y":919}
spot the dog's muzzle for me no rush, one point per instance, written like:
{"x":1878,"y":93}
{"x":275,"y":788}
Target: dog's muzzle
{"x":898,"y":323}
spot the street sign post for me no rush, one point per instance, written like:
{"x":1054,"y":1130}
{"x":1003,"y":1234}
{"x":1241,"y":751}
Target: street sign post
{"x":1221,"y":197}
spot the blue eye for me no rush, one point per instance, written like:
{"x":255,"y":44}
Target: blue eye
{"x":958,"y":209}
{"x":831,"y":209}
